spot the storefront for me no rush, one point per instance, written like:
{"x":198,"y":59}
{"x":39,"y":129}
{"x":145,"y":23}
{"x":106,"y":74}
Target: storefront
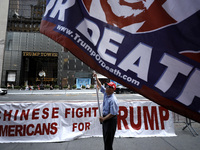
{"x":35,"y":62}
{"x":27,"y":51}
{"x":26,"y":54}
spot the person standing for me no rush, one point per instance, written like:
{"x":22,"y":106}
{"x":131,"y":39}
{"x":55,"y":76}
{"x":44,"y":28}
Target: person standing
{"x":110,"y":111}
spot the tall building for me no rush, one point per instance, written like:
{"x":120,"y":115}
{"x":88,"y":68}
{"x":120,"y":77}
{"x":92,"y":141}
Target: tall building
{"x":25,"y":53}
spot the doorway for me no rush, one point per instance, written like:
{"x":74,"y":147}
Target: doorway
{"x":32,"y":65}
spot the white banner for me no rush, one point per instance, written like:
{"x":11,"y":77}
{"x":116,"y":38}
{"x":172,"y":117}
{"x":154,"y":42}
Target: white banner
{"x":64,"y":121}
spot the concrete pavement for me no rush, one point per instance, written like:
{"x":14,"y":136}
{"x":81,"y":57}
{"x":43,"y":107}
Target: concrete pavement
{"x":183,"y":141}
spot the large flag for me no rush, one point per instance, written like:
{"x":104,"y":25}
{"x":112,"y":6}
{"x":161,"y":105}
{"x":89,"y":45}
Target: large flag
{"x":150,"y":46}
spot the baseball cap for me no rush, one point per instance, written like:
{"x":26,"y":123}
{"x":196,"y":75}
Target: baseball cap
{"x":112,"y":84}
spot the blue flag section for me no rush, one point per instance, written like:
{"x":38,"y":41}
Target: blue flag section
{"x":150,"y":46}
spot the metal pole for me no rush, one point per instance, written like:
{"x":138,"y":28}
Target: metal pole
{"x":98,"y":100}
{"x":97,"y":92}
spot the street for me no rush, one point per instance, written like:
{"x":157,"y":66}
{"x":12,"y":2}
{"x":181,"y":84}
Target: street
{"x":61,"y":95}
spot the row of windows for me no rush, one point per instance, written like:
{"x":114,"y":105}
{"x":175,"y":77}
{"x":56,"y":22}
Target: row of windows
{"x":28,"y":41}
{"x":24,"y":41}
{"x":25,"y":15}
{"x":26,"y":9}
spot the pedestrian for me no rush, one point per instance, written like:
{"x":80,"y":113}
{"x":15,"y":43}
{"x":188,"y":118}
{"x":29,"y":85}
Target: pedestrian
{"x":110,"y":111}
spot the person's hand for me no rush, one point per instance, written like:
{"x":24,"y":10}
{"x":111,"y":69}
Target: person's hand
{"x":101,"y":119}
{"x":94,"y":75}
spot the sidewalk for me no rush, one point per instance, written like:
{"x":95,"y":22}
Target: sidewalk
{"x":183,"y":141}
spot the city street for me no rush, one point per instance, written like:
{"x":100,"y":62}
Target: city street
{"x":60,"y":95}
{"x":183,"y":141}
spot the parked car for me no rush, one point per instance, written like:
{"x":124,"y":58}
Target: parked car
{"x":3,"y":91}
{"x":123,"y":89}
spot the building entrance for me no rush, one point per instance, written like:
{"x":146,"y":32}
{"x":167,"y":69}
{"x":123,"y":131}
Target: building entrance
{"x":35,"y":62}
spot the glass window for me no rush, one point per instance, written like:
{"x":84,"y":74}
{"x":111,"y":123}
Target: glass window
{"x":11,"y":76}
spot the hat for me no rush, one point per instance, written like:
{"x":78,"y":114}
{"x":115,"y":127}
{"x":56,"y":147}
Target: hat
{"x":112,"y":84}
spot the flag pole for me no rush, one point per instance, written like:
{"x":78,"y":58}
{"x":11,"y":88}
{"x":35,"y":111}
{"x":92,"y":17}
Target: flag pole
{"x":97,"y":92}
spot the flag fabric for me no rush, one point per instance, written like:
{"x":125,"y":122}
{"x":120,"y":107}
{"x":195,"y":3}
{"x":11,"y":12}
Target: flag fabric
{"x":150,"y":46}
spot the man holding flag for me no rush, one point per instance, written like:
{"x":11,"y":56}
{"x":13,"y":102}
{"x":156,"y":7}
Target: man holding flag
{"x":110,"y":111}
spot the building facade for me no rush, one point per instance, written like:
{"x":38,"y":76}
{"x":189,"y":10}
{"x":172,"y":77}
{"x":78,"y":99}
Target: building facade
{"x":27,"y":52}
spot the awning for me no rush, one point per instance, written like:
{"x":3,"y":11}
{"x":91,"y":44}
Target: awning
{"x":100,"y":76}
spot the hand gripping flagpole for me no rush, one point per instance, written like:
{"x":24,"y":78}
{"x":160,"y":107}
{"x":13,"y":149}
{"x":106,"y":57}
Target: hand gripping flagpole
{"x":97,"y":92}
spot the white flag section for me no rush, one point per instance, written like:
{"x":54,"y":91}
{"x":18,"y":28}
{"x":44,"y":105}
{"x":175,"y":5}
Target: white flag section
{"x":64,"y":121}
